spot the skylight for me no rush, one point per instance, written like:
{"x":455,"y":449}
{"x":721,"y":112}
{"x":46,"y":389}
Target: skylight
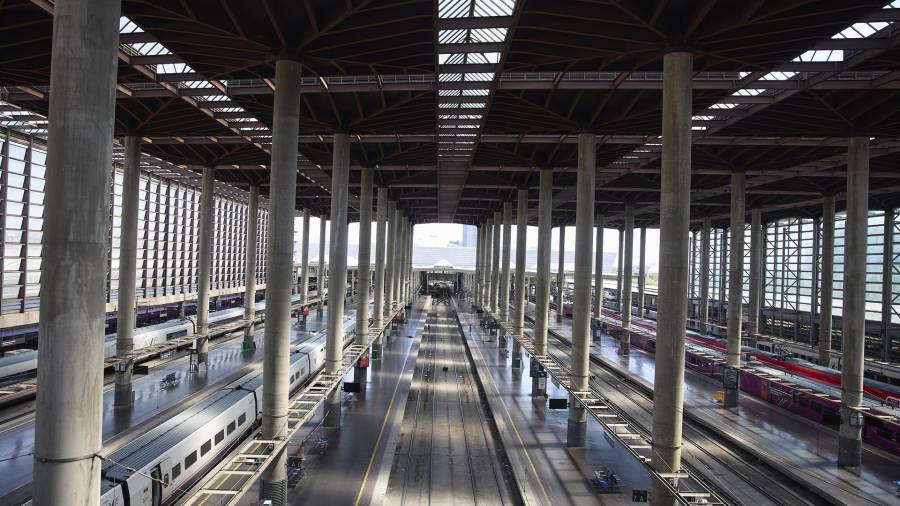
{"x":127,"y":26}
{"x":475,"y":8}
{"x":452,"y":144}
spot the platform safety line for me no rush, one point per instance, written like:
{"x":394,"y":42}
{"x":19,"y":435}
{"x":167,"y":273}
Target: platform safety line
{"x":515,"y":430}
{"x":387,"y":415}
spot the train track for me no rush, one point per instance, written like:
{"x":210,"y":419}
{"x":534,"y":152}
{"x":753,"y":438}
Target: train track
{"x":737,"y":475}
{"x":447,"y":449}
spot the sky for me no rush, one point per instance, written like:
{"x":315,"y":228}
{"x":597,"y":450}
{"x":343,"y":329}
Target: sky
{"x":441,"y":234}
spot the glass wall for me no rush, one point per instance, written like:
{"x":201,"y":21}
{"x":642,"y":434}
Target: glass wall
{"x":167,"y":245}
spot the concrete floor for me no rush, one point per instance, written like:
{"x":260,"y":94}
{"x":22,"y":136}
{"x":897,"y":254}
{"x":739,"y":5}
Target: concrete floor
{"x":347,"y":466}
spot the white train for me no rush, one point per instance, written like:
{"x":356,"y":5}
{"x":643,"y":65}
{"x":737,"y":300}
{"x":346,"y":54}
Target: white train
{"x":26,"y":361}
{"x":169,"y":458}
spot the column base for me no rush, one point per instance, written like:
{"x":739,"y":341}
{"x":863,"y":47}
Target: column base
{"x":360,"y":375}
{"x":249,"y":341}
{"x":625,"y":343}
{"x":576,"y":434}
{"x":731,"y":399}
{"x":660,"y":494}
{"x":849,"y":452}
{"x":273,"y":483}
{"x":377,"y":350}
{"x":333,"y":410}
{"x":123,"y":396}
{"x":538,"y":387}
{"x":274,"y":491}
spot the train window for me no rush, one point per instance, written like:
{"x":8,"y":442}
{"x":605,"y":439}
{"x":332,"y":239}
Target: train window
{"x":190,"y":459}
{"x":242,"y":418}
{"x":176,"y":471}
{"x":817,"y":407}
{"x":886,"y":434}
{"x":205,"y":448}
{"x":231,"y":427}
{"x":220,"y":436}
{"x":804,"y":402}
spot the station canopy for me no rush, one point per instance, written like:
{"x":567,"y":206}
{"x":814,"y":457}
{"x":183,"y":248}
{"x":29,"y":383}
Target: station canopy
{"x":457,"y":104}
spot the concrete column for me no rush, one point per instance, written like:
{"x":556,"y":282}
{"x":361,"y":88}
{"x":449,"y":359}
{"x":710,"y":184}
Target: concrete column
{"x":398,"y":259}
{"x":736,"y":268}
{"x":207,"y":209}
{"x":542,"y":281}
{"x":280,"y":266}
{"x":380,"y":240}
{"x":479,"y":242}
{"x":581,"y":299}
{"x":627,"y":268}
{"x":850,"y":440}
{"x":495,"y":261}
{"x":401,"y":263}
{"x":125,"y":319}
{"x":337,"y":271}
{"x":407,"y":253}
{"x":304,"y":260}
{"x":479,"y":246}
{"x":561,"y":273}
{"x":673,"y":266}
{"x":488,"y":268}
{"x":412,"y":278}
{"x":642,"y":271}
{"x":365,"y":248}
{"x":337,"y":251}
{"x":826,"y":283}
{"x":619,"y":277}
{"x":250,"y":268}
{"x":721,"y":299}
{"x":393,"y":217}
{"x":755,"y":270}
{"x":704,"y":273}
{"x":503,"y":299}
{"x":401,"y":251}
{"x":735,"y":284}
{"x":598,"y":269}
{"x":320,"y":268}
{"x":887,"y":295}
{"x":69,"y":405}
{"x":519,"y":301}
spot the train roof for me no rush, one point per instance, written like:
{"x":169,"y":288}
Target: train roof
{"x":15,"y":358}
{"x":149,"y":446}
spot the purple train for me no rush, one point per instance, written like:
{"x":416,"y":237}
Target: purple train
{"x":880,"y":430}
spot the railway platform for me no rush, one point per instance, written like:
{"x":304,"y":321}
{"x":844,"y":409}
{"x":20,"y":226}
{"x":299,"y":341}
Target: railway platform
{"x":793,"y":446}
{"x":535,"y":436}
{"x":152,"y":404}
{"x":346,"y":466}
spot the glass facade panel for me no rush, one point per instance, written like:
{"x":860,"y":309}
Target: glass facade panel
{"x":167,"y":246}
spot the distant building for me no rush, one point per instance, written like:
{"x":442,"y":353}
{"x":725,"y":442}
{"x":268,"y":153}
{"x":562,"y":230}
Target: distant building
{"x":469,"y":236}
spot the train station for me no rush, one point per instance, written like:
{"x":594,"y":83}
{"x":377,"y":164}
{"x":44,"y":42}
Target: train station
{"x":449,"y":252}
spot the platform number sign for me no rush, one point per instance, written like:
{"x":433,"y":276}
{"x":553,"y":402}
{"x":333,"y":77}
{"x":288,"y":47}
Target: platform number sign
{"x":639,"y":495}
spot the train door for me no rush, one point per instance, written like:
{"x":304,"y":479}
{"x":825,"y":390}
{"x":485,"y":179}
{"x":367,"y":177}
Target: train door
{"x":764,"y":389}
{"x":156,"y":485}
{"x":159,"y":480}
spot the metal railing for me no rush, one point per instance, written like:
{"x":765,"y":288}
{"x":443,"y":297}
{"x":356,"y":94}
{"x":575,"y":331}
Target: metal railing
{"x":226,"y":485}
{"x":686,"y":488}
